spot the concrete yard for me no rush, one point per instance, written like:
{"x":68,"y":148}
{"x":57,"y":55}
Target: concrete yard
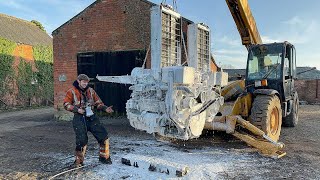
{"x":35,"y":146}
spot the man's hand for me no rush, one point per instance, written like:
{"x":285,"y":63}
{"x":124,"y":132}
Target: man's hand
{"x":81,"y":111}
{"x":109,"y":109}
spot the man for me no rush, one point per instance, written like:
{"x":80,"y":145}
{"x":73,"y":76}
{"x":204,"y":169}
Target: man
{"x":80,"y":99}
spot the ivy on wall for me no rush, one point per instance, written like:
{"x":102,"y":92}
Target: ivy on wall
{"x":26,"y":89}
{"x":6,"y":59}
{"x":31,"y":84}
{"x":43,"y":56}
{"x":43,"y":53}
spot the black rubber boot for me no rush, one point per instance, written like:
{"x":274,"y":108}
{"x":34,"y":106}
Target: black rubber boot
{"x":76,"y":164}
{"x":105,"y":161}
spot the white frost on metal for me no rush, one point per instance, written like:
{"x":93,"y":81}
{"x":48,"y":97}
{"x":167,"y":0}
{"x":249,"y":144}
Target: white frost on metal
{"x":170,"y":99}
{"x":173,"y":101}
{"x":156,"y":34}
{"x":117,"y":79}
{"x":165,"y":37}
{"x":156,"y":164}
{"x":199,"y":46}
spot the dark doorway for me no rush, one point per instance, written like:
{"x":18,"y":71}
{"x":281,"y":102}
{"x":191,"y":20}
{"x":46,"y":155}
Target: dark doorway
{"x":110,"y":64}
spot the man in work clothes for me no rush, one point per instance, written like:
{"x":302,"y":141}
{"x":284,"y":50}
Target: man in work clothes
{"x":80,"y":99}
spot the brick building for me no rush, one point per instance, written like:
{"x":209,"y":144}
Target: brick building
{"x":105,"y":34}
{"x":308,"y":84}
{"x":23,"y":36}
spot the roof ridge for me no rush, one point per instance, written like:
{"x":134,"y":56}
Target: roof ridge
{"x":22,"y":31}
{"x":19,"y":19}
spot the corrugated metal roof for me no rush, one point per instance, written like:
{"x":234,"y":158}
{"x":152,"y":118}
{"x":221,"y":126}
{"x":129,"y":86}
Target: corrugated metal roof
{"x":306,"y":72}
{"x":21,"y":31}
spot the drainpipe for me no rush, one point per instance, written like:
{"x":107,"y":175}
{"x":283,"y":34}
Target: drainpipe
{"x":317,"y":88}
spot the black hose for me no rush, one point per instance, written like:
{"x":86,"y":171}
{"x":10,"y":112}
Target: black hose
{"x":203,"y":108}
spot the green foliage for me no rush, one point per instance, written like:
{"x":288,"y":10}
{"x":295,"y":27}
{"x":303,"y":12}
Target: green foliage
{"x":6,"y":59}
{"x":25,"y":76}
{"x":7,"y":47}
{"x":45,"y":80}
{"x":43,"y":53}
{"x":37,"y":23}
{"x":43,"y":56}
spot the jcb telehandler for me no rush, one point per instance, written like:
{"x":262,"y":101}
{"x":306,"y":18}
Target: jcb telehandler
{"x":267,"y":97}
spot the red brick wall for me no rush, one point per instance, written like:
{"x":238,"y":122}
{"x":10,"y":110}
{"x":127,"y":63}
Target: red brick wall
{"x":308,"y":90}
{"x":107,"y":25}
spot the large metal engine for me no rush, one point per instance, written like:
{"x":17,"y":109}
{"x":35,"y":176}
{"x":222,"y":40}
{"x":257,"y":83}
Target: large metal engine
{"x":170,"y":99}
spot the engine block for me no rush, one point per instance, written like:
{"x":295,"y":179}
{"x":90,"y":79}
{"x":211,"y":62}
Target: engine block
{"x":172,"y":101}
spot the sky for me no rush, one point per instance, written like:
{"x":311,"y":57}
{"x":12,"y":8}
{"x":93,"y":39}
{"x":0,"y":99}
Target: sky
{"x":287,"y":20}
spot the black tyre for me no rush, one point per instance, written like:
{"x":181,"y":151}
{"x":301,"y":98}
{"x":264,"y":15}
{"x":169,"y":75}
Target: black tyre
{"x":292,"y":119}
{"x":266,"y":114}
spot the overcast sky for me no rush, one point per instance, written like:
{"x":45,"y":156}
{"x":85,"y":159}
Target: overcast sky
{"x":295,"y":21}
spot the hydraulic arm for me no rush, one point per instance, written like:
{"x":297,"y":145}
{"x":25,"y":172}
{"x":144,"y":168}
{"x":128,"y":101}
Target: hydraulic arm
{"x":245,"y":22}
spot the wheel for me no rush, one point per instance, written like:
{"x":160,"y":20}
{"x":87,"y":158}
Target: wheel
{"x":266,"y":115}
{"x":292,"y":119}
